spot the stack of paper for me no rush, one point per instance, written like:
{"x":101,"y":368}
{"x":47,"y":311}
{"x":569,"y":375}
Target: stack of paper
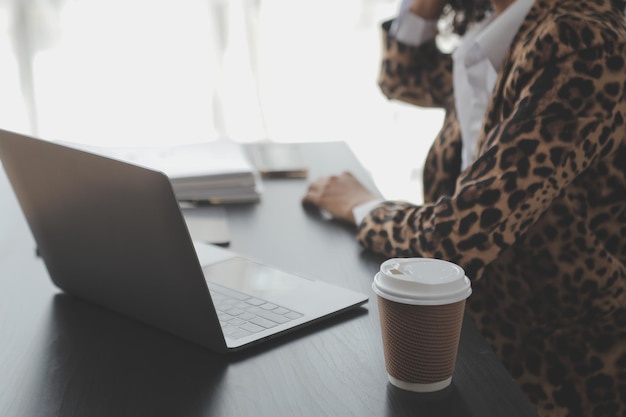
{"x":216,"y":172}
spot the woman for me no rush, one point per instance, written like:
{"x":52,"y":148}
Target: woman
{"x":525,"y":185}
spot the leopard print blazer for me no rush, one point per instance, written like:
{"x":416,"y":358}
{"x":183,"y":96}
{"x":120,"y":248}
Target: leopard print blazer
{"x":538,"y":221}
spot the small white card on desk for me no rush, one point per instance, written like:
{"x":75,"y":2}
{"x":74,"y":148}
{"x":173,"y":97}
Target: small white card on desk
{"x":207,"y":224}
{"x":210,"y":254}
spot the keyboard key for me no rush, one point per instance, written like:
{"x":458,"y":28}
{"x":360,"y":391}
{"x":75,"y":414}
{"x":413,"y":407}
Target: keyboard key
{"x":246,"y":316}
{"x":260,"y":321}
{"x":280,"y":310}
{"x":237,"y":322}
{"x":239,"y":334}
{"x":223,"y":317}
{"x":228,"y":329}
{"x":268,"y":306}
{"x":234,"y":311}
{"x":293,"y":315}
{"x":251,"y":327}
{"x":276,"y":318}
{"x":255,"y":301}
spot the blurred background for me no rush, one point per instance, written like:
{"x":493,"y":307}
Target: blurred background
{"x":151,"y":72}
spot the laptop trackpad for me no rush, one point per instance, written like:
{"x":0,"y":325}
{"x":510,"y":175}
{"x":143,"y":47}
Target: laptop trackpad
{"x":254,"y":279}
{"x":313,"y":298}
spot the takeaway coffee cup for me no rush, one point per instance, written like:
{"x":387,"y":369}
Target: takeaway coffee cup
{"x":421,"y":303}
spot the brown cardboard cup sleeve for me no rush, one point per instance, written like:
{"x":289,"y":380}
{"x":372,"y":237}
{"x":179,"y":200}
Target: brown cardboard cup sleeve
{"x":421,"y":303}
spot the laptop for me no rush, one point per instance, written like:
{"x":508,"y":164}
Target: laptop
{"x":113,"y":233}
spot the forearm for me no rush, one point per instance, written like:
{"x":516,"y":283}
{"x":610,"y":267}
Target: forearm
{"x":526,"y":162}
{"x":420,"y":75}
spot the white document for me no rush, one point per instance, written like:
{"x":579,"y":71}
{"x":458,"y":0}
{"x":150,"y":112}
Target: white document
{"x":217,"y":171}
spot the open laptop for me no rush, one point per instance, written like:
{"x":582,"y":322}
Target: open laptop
{"x":113,"y":233}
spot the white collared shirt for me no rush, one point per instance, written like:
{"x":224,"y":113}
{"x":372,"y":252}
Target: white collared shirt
{"x":476,"y":63}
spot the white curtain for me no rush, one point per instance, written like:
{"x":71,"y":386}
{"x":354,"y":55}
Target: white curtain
{"x":131,"y":72}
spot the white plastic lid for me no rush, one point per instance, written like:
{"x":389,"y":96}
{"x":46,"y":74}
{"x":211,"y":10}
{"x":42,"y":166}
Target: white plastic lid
{"x":421,"y":281}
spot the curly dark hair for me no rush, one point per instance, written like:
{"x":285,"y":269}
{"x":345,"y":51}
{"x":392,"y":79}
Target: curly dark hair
{"x":463,"y":13}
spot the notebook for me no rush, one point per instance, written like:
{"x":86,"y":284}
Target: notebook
{"x":112,"y":233}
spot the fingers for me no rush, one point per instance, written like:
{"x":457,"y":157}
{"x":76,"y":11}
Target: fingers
{"x":328,"y":186}
{"x":319,"y":184}
{"x":314,"y":192}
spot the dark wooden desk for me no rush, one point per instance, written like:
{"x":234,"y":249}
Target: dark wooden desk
{"x":60,"y":356}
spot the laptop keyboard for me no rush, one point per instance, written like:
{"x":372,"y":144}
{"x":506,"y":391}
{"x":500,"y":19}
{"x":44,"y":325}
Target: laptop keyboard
{"x":241,"y":315}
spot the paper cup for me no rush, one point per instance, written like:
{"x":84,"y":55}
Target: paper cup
{"x":421,"y":303}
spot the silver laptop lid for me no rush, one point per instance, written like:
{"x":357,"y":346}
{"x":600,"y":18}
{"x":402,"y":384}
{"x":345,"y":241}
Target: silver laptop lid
{"x":112,"y":233}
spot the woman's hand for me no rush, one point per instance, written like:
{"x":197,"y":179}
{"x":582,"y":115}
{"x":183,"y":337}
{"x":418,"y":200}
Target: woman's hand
{"x":338,"y":195}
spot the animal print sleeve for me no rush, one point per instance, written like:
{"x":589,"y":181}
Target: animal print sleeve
{"x":563,"y":118}
{"x":419,"y":75}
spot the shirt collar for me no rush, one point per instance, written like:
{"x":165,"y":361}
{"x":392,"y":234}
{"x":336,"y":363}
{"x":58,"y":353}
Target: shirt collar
{"x":496,"y":38}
